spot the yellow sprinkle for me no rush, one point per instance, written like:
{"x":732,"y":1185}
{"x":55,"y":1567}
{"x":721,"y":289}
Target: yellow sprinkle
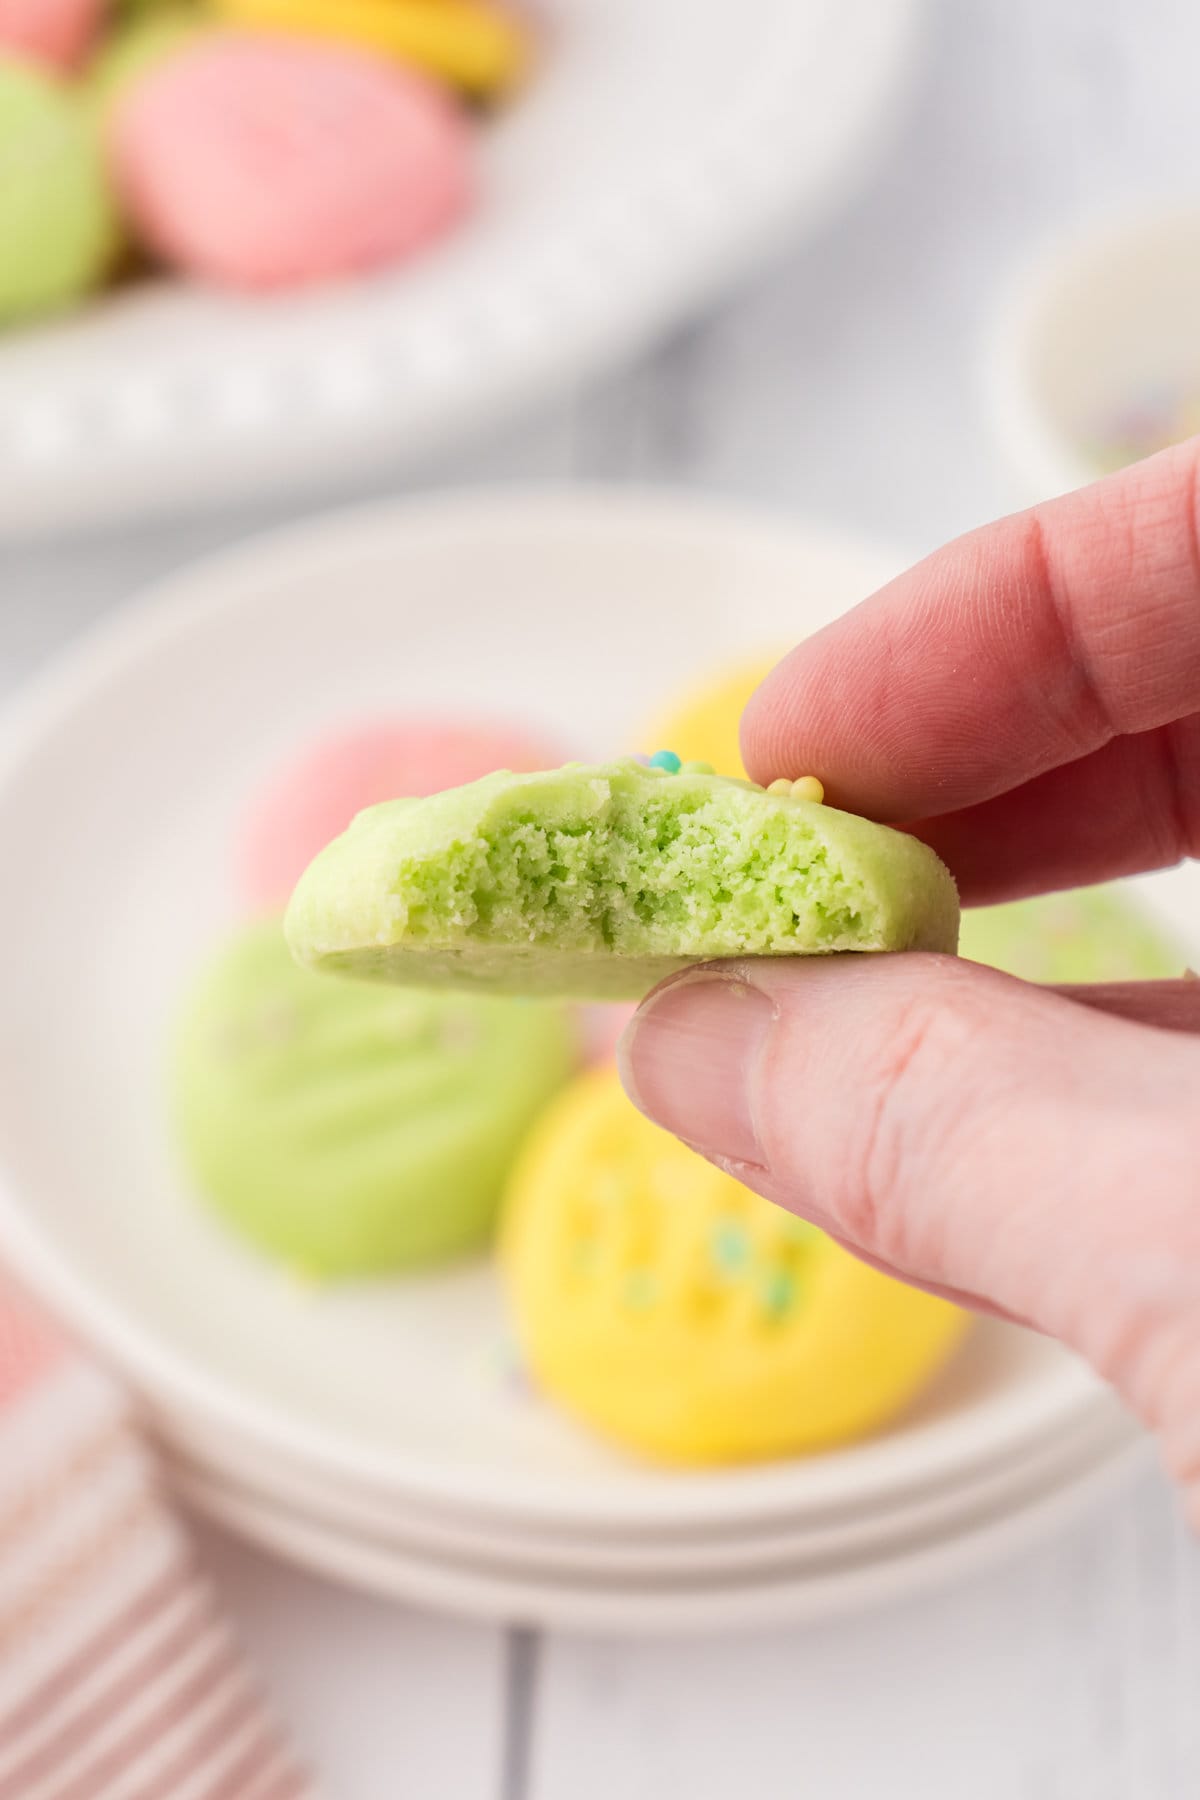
{"x":808,"y":788}
{"x":780,"y":786}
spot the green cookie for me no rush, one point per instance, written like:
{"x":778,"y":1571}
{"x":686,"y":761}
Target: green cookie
{"x":351,"y":1129}
{"x":598,"y":881}
{"x":58,"y":229}
{"x":1091,"y":934}
{"x":137,"y":48}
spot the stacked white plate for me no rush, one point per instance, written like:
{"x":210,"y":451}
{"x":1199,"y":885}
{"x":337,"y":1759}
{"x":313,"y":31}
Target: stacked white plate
{"x":533,"y":1522}
{"x":382,"y":1432}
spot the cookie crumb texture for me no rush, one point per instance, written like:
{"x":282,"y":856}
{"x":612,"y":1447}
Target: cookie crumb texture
{"x":599,"y":881}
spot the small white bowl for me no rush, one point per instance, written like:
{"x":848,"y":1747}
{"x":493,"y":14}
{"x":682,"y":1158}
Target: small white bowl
{"x":1096,"y":357}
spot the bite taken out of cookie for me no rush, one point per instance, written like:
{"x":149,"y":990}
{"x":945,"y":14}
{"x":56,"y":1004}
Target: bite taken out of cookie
{"x":596,"y":881}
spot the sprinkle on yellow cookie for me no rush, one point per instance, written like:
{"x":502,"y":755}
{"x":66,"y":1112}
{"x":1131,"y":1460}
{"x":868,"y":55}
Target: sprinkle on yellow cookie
{"x":681,"y":1315}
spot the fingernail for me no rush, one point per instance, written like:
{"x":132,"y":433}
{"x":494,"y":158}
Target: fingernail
{"x":688,"y":1059}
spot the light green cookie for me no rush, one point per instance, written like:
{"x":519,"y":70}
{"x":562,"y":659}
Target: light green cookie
{"x":351,"y":1129}
{"x":58,"y":229}
{"x":1091,"y":934}
{"x":598,"y":881}
{"x":136,"y":48}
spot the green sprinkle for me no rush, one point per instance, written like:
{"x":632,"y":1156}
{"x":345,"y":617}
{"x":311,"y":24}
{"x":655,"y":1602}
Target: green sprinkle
{"x":778,"y":1292}
{"x":697,"y":768}
{"x":729,"y":1246}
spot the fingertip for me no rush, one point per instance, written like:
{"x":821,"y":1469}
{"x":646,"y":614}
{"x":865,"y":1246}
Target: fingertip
{"x":763,"y":731}
{"x":687,"y":1059}
{"x":818,"y":712}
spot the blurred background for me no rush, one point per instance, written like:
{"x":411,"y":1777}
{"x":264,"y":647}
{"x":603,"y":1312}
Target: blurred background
{"x":850,"y":380}
{"x":923,"y":339}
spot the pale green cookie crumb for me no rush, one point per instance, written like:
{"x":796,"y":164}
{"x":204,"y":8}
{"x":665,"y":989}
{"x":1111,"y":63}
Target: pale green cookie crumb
{"x":599,"y":881}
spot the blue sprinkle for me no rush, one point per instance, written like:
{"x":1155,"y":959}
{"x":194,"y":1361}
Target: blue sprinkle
{"x":666,"y":759}
{"x":729,"y":1246}
{"x":778,"y":1292}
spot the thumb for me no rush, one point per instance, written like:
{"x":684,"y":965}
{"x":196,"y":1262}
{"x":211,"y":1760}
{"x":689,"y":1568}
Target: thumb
{"x":964,"y":1130}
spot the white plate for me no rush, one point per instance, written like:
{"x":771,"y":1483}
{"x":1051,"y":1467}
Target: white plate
{"x":777,"y":1594}
{"x":664,"y":145}
{"x":1005,"y":1398}
{"x":120,"y":778}
{"x":744,"y":1548}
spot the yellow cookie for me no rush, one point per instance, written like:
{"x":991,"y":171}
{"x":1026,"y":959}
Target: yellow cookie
{"x":680,"y":1314}
{"x":702,"y":726}
{"x":473,"y":44}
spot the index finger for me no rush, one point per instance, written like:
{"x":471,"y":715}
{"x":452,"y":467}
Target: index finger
{"x":1023,"y":646}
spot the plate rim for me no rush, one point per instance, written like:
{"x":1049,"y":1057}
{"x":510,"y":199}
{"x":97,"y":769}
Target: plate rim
{"x":765,"y":1601}
{"x":740,"y":1547}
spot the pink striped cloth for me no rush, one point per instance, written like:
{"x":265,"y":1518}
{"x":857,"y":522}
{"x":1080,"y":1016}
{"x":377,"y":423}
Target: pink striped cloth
{"x":119,"y":1679}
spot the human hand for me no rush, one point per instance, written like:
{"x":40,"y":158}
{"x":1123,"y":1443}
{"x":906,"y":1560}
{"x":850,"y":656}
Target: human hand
{"x":1028,"y":701}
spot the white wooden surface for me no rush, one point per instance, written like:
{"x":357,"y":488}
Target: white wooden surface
{"x":845,"y":384}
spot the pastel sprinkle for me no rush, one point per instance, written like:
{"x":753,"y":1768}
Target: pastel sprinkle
{"x":805,"y":787}
{"x":501,"y":1365}
{"x":778,"y":1291}
{"x":808,"y":788}
{"x":697,"y":768}
{"x":1164,"y":413}
{"x":666,"y":759}
{"x":643,"y":760}
{"x":729,"y":1246}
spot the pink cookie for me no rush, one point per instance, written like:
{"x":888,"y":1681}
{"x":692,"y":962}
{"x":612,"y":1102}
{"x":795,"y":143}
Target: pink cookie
{"x":57,"y":32}
{"x":316,"y":796}
{"x":265,"y":162}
